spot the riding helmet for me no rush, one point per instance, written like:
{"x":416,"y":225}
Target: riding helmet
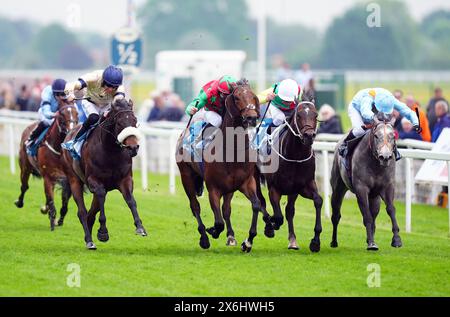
{"x":58,"y":85}
{"x":113,"y":76}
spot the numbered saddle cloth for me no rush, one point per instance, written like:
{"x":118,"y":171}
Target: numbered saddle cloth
{"x":33,"y":149}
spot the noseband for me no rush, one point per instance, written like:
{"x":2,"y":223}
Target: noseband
{"x":250,"y":106}
{"x":299,"y":133}
{"x":385,"y":141}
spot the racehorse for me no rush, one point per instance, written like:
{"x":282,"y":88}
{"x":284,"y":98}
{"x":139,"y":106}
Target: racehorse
{"x":105,"y":165}
{"x":48,"y":163}
{"x":224,"y":177}
{"x":295,"y":172}
{"x":372,"y":177}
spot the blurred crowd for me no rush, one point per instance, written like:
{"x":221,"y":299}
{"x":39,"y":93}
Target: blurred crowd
{"x":23,"y":96}
{"x":162,"y":106}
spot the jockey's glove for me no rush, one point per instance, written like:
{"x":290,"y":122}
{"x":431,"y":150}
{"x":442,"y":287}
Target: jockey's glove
{"x":418,"y":128}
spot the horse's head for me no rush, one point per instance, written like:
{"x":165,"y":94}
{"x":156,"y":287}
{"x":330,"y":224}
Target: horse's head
{"x":125,"y":130}
{"x":243,"y":105}
{"x":383,"y":138}
{"x":304,"y":120}
{"x":66,"y":118}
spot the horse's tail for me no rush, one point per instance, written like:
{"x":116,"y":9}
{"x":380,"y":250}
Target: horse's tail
{"x":199,"y":185}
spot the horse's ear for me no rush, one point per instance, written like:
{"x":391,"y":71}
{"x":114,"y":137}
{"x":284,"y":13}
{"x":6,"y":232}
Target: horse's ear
{"x":376,"y":120}
{"x":130,"y":102}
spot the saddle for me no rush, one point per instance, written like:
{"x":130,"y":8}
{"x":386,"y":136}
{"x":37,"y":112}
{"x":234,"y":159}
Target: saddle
{"x":33,"y":149}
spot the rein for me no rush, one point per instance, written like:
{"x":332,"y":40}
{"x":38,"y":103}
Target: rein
{"x":60,"y":130}
{"x":101,"y":124}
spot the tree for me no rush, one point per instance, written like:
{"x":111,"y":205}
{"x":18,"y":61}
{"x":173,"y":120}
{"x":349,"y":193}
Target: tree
{"x":350,"y":43}
{"x":436,"y":35}
{"x":213,"y":24}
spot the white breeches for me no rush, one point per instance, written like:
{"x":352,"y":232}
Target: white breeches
{"x":276,"y":115}
{"x":90,"y":108}
{"x":357,"y":121}
{"x":48,"y":122}
{"x":213,"y":118}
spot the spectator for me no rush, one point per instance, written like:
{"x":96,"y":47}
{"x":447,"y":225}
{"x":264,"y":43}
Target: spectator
{"x":2,"y":99}
{"x":23,"y":98}
{"x":398,"y":94}
{"x":173,"y":109}
{"x":155,"y":113}
{"x":431,"y":113}
{"x":408,"y":131}
{"x":414,"y":105}
{"x":34,"y":101}
{"x":398,"y":123}
{"x":331,"y":122}
{"x":303,"y":76}
{"x":442,"y":119}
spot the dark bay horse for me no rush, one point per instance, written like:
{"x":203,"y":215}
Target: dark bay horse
{"x":48,"y":162}
{"x":105,"y":165}
{"x":223,"y":177}
{"x":295,"y":173}
{"x":373,"y":177}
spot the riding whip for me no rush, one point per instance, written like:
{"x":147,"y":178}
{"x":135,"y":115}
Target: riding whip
{"x":265,"y":112}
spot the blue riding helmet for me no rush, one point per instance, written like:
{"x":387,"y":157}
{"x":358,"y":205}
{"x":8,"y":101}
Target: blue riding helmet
{"x":113,"y":76}
{"x":58,"y":86}
{"x":384,"y":103}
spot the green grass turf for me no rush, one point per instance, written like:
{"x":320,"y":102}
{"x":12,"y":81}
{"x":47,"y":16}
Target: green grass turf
{"x":169,"y":262}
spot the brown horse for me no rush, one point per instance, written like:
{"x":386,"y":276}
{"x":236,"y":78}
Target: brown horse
{"x":224,"y":177}
{"x":105,"y":165}
{"x":295,"y":172}
{"x":48,"y":162}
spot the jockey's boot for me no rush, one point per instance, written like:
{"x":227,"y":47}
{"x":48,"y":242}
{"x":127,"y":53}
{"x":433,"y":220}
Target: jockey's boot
{"x":35,"y":133}
{"x":92,"y":119}
{"x":205,"y":137}
{"x":397,"y":154}
{"x":343,"y":148}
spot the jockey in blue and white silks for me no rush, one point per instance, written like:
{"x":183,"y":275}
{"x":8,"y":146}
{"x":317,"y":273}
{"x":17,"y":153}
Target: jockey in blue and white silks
{"x":361,"y":114}
{"x":51,"y":98}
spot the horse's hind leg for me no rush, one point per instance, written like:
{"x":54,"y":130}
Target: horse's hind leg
{"x":290,"y":212}
{"x":25,"y":171}
{"x":388,"y":198}
{"x":311,"y":192}
{"x":49,"y":186}
{"x":249,"y":190}
{"x":214,"y":200}
{"x":126,"y":188}
{"x":339,"y":190}
{"x":226,"y":213}
{"x":189,"y":188}
{"x":374,"y":206}
{"x":65,"y":196}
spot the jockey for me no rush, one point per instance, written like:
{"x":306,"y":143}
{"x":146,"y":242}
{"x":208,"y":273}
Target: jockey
{"x":102,"y":89}
{"x":52,"y":97}
{"x":362,"y":116}
{"x":283,"y":96}
{"x":211,"y":97}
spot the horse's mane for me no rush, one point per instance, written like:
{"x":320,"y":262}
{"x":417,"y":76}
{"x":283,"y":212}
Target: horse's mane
{"x":242,"y":82}
{"x":384,"y":117}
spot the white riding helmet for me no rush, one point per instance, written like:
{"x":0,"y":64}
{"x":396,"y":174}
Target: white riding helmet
{"x":288,"y":90}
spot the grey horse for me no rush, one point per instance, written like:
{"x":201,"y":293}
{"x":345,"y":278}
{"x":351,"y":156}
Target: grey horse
{"x":371,"y":178}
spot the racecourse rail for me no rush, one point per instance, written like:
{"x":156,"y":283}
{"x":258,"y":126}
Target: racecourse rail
{"x":325,"y":143}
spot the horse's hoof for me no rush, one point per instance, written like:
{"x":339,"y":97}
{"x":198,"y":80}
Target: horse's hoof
{"x":314,"y":246}
{"x":141,"y":232}
{"x":91,"y":246}
{"x":18,"y":203}
{"x":213,"y":232}
{"x":277,"y":223}
{"x":246,"y":246}
{"x":204,"y":243}
{"x":102,"y":236}
{"x":293,"y":246}
{"x":372,"y":247}
{"x":231,"y":241}
{"x":269,"y":232}
{"x":44,"y":210}
{"x":396,"y":242}
{"x":334,"y":244}
{"x":60,"y":222}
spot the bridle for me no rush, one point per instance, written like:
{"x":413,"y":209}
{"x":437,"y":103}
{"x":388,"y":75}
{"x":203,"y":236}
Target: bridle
{"x":112,"y":121}
{"x":250,"y":106}
{"x":385,"y":140}
{"x":60,"y":129}
{"x":298,"y":134}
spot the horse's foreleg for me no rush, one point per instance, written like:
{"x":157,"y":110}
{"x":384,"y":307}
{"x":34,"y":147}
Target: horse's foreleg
{"x":65,"y":196}
{"x":226,"y":213}
{"x":48,"y":188}
{"x":311,"y":192}
{"x":95,"y":208}
{"x":249,"y":190}
{"x":290,"y":212}
{"x":374,"y":206}
{"x":126,"y":188}
{"x":98,"y":204}
{"x":25,"y":172}
{"x":388,"y":198}
{"x":277,"y":218}
{"x":268,"y":230}
{"x":214,"y":200}
{"x":363,"y":203}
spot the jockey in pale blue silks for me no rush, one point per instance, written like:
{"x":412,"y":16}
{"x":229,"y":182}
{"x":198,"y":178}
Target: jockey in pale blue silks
{"x":362,"y":116}
{"x":52,"y":97}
